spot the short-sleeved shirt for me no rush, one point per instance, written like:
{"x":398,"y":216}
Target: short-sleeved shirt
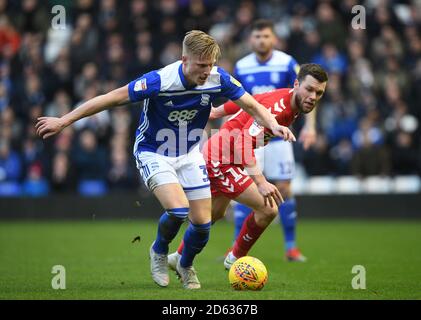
{"x":279,"y":71}
{"x":240,"y":135}
{"x":174,"y":113}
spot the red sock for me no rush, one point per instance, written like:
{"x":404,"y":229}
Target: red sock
{"x":180,"y":247}
{"x":249,"y":234}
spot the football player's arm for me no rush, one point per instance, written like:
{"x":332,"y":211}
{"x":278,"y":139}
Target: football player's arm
{"x":224,"y":110}
{"x":263,"y":116}
{"x":269,"y":192}
{"x":308,"y":133}
{"x":48,"y":126}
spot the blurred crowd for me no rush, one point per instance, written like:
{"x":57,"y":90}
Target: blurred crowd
{"x":368,"y":121}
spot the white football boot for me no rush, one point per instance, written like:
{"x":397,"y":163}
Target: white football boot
{"x":173,"y":259}
{"x":188,"y":277}
{"x":229,"y":260}
{"x":159,"y":267}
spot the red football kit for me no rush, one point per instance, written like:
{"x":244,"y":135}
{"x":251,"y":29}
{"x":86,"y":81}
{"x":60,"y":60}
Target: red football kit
{"x":232,"y":148}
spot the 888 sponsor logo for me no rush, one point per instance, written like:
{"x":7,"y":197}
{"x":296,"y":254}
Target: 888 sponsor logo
{"x":182,"y":117}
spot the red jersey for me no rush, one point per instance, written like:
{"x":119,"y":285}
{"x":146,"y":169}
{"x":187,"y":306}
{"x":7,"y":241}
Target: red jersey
{"x":241,"y":134}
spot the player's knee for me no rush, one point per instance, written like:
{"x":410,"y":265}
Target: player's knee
{"x":265,"y":216}
{"x":272,"y":212}
{"x":267,"y":212}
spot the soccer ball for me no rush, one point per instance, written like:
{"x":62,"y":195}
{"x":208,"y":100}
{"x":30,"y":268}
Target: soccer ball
{"x":248,"y":273}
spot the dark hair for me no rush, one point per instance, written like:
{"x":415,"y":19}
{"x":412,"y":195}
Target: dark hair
{"x":263,"y":24}
{"x":314,"y":70}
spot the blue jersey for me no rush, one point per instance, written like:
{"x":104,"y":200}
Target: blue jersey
{"x":174,"y":114}
{"x":279,"y":71}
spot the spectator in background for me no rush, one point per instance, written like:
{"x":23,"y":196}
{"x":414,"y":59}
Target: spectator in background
{"x":341,"y":154}
{"x":59,"y":75}
{"x":6,"y":80}
{"x":413,"y":46}
{"x":34,"y":94}
{"x":108,"y":17}
{"x":115,"y":58}
{"x":64,"y":140}
{"x":35,"y":185}
{"x":415,"y":94}
{"x":330,"y":26}
{"x":331,"y":59}
{"x":84,"y":42}
{"x":388,"y":44}
{"x":90,"y":160}
{"x":10,"y":127}
{"x":404,"y":154}
{"x":361,"y":69}
{"x":84,"y":7}
{"x":4,"y":97}
{"x":87,"y":78}
{"x":31,"y":153}
{"x":170,"y":53}
{"x":10,"y":163}
{"x":304,"y":39}
{"x":401,"y":128}
{"x":9,"y":38}
{"x":121,"y":176}
{"x":62,"y":176}
{"x":196,"y":17}
{"x":338,"y":116}
{"x":139,"y":19}
{"x":380,"y":16}
{"x":32,"y":17}
{"x":370,"y":157}
{"x":244,"y":16}
{"x":60,"y":105}
{"x":316,"y":159}
{"x":144,"y":59}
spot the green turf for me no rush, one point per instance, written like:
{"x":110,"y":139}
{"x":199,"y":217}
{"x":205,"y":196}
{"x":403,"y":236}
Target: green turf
{"x":102,"y":263}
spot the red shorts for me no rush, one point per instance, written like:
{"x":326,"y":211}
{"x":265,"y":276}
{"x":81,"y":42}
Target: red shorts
{"x":227,"y":179}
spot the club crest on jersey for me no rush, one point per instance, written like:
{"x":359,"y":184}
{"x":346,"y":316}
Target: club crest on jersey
{"x":140,"y":85}
{"x":205,"y":100}
{"x":255,"y":129}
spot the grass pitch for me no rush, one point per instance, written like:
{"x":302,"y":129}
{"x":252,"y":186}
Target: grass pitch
{"x":101,"y":262}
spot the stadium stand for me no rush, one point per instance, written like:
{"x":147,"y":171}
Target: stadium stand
{"x":368,"y":121}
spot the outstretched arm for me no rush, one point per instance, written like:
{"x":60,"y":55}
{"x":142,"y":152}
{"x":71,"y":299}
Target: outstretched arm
{"x":264,"y":117}
{"x":48,"y":126}
{"x":223,"y":110}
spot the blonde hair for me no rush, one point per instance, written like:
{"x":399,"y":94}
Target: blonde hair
{"x":200,"y":44}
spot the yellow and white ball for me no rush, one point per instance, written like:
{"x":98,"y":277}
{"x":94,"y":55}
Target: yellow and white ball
{"x":248,"y":273}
